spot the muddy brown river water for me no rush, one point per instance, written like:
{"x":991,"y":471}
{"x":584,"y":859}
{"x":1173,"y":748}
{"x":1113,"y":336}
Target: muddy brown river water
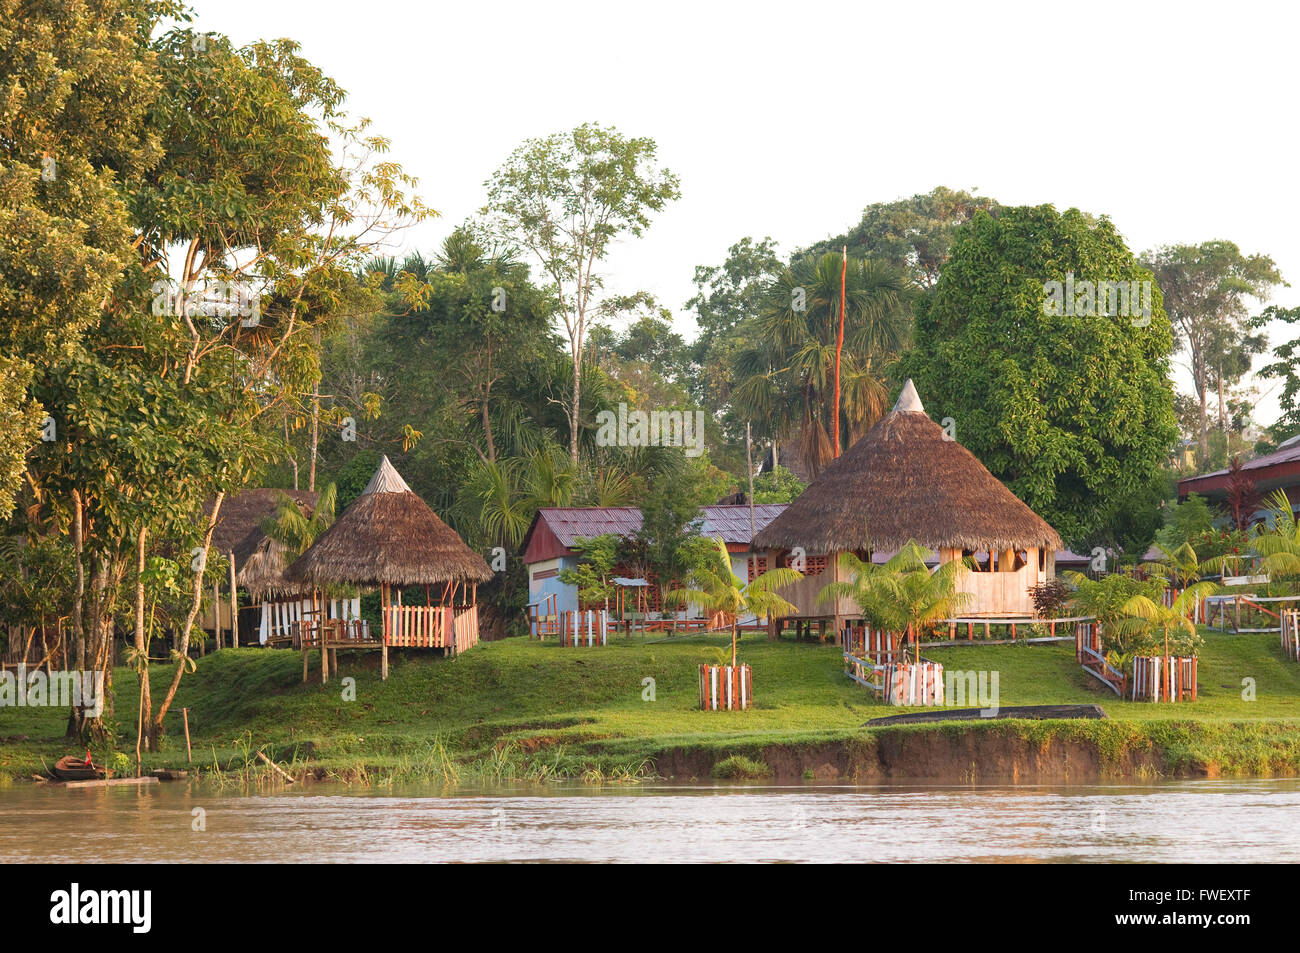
{"x":1220,"y":821}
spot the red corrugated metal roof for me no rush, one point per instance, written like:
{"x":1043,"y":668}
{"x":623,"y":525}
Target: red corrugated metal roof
{"x":1276,"y":467}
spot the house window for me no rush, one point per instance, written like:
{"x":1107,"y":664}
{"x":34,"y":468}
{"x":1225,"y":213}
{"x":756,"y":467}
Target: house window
{"x":813,"y":565}
{"x":756,"y":566}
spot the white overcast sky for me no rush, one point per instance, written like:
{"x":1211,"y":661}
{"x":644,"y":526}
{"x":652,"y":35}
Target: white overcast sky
{"x":786,"y":119}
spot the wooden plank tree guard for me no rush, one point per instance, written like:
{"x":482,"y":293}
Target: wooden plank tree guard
{"x":1291,"y":634}
{"x":1164,"y":678}
{"x":726,"y":688}
{"x":873,"y":659}
{"x":588,"y":629}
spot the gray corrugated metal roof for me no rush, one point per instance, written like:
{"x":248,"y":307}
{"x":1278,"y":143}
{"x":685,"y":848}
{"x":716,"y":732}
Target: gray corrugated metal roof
{"x":729,"y":522}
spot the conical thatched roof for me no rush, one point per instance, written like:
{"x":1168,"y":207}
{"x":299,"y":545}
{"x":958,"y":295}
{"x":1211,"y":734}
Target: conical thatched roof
{"x":388,"y":535}
{"x":906,"y":480}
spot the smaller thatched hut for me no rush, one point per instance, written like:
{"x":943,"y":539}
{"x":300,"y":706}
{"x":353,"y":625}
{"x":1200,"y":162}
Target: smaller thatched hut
{"x":907,"y":479}
{"x":284,"y":604}
{"x":389,"y":538}
{"x":238,"y":536}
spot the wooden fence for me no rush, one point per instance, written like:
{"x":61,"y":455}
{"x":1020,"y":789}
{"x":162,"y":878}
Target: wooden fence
{"x":1088,"y":652}
{"x":1163,"y":678}
{"x":1228,"y":612}
{"x":898,"y":683}
{"x":588,"y":628}
{"x":726,"y":688}
{"x":876,"y":645}
{"x":543,"y":618}
{"x":281,"y":619}
{"x":1291,"y":634}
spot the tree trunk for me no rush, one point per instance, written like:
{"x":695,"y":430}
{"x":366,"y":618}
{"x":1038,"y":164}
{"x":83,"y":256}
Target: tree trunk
{"x":141,"y":638}
{"x":576,"y":403}
{"x":735,"y":624}
{"x":196,"y":600}
{"x":1205,"y":429}
{"x":487,"y":432}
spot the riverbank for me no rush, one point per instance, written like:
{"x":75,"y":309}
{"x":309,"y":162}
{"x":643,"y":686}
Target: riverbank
{"x":519,"y":710}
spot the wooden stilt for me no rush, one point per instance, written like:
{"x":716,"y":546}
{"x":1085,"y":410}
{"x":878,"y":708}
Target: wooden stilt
{"x":216,"y":612}
{"x":234,"y":605}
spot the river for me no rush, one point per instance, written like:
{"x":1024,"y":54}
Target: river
{"x":1221,"y":821}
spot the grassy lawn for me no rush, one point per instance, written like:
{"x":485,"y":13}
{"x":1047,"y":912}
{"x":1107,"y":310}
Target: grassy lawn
{"x":518,"y":708}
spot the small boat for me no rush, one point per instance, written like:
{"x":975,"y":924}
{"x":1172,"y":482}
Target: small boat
{"x":72,"y":768}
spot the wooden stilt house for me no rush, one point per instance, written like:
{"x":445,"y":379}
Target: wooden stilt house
{"x":908,"y":480}
{"x":427,"y":576}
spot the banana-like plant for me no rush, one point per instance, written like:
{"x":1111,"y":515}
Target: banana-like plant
{"x":1144,"y":617}
{"x":1280,"y":545}
{"x":903,"y":594}
{"x":716,"y":588}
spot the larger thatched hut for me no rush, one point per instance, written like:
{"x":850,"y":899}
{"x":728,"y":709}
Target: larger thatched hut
{"x":907,"y":479}
{"x":389,"y":538}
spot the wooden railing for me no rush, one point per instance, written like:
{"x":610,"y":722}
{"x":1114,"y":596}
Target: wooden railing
{"x":1088,"y":652}
{"x":431,"y":627}
{"x":338,"y":634}
{"x":1291,"y":634}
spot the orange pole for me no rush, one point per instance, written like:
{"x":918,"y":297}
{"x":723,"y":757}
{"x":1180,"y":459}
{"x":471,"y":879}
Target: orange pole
{"x":839,"y":347}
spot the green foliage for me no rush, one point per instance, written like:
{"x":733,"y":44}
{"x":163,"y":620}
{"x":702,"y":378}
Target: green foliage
{"x":1278,"y":539}
{"x":1106,"y":597}
{"x":1185,"y":521}
{"x":1073,"y":412}
{"x":784,"y":377}
{"x":915,"y":234}
{"x":1205,"y":288}
{"x":777,"y":485}
{"x":562,"y":200}
{"x":597,"y":557}
{"x":1285,"y":366}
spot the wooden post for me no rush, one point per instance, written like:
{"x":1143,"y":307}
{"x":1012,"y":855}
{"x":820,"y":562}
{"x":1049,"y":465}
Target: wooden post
{"x":383,"y":633}
{"x":304,"y":664}
{"x":216,"y":611}
{"x":234,"y":605}
{"x":185,"y":717}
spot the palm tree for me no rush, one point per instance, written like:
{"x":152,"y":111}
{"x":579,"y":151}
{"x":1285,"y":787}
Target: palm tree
{"x":1178,"y":567}
{"x":718,"y":589}
{"x":1280,"y":545}
{"x":1143,"y":616}
{"x":296,"y":532}
{"x":787,"y":377}
{"x":903,"y":594}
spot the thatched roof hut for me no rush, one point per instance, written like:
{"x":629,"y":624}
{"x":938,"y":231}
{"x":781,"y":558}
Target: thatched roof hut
{"x":239,"y":525}
{"x":388,"y":536}
{"x":906,"y":479}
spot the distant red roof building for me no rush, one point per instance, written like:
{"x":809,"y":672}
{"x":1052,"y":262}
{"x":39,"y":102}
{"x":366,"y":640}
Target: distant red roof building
{"x":1279,"y":470}
{"x":554,"y":529}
